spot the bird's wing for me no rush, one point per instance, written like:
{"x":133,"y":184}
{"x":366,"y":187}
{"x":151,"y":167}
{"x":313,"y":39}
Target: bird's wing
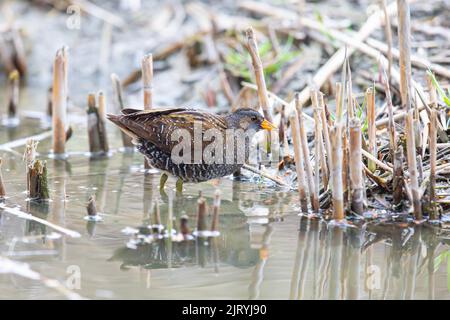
{"x":159,"y":126}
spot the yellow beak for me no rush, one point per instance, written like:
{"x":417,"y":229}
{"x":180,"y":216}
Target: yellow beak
{"x":266,"y":125}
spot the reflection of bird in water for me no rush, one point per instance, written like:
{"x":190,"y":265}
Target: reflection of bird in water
{"x":156,"y":255}
{"x":154,"y":132}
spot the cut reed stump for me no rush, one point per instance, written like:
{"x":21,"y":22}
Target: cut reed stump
{"x":37,"y":177}
{"x":13,"y":93}
{"x":147,"y":83}
{"x":336,"y":173}
{"x":356,"y":169}
{"x":98,"y":143}
{"x":201,"y":215}
{"x":91,"y":207}
{"x":59,"y":101}
{"x":118,"y":102}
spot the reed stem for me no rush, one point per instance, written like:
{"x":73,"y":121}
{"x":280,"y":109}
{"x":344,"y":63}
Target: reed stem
{"x":412,"y":166}
{"x":372,"y":129}
{"x":201,"y":214}
{"x":404,"y":36}
{"x":306,"y":160}
{"x":356,"y":169}
{"x":299,"y":165}
{"x":336,"y":172}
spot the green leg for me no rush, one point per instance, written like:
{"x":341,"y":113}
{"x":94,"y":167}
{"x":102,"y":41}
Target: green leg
{"x":162,"y":181}
{"x":179,"y":185}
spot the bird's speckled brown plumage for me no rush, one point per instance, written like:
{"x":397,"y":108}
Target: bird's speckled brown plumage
{"x":152,"y":131}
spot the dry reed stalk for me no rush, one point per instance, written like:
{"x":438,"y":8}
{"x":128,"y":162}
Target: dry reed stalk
{"x":325,"y":129}
{"x":391,"y":124}
{"x":13,"y":93}
{"x":345,"y":167}
{"x":2,"y":185}
{"x":99,"y":13}
{"x":98,"y":142}
{"x":336,"y":172}
{"x":356,"y":169}
{"x":263,"y":98}
{"x":388,"y":35}
{"x":417,"y":61}
{"x":398,"y":179}
{"x":275,"y":179}
{"x":216,"y":209}
{"x":317,"y":143}
{"x":157,"y":214}
{"x":119,"y":105}
{"x":372,"y":129}
{"x":306,"y":160}
{"x":147,"y":82}
{"x":350,"y":98}
{"x":101,"y":105}
{"x":433,"y":160}
{"x":412,"y":166}
{"x":59,"y":101}
{"x":332,"y":65}
{"x":299,"y":165}
{"x":404,"y":39}
{"x":339,"y":102}
{"x":201,"y":214}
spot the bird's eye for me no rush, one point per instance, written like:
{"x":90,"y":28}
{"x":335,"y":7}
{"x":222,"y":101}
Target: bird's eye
{"x":253,"y":118}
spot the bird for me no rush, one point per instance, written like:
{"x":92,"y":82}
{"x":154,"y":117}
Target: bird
{"x":157,"y":135}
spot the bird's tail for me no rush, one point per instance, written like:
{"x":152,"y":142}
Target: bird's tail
{"x":119,"y":121}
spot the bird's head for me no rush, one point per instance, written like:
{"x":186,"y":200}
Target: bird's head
{"x":248,"y":119}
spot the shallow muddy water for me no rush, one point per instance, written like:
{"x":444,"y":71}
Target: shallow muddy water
{"x":265,"y":250}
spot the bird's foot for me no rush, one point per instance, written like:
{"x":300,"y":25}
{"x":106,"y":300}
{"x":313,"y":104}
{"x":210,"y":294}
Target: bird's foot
{"x":162,"y":181}
{"x":179,"y":186}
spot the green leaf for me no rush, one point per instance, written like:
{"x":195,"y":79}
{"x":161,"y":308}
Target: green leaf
{"x":439,"y":89}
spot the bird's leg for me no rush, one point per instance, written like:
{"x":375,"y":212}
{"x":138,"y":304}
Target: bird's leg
{"x":162,"y":181}
{"x":179,"y":185}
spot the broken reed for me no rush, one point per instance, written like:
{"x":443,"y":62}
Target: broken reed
{"x":59,"y":101}
{"x":119,"y":105}
{"x":216,"y":209}
{"x":147,"y":85}
{"x":13,"y":93}
{"x":37,"y":186}
{"x":258,"y":69}
{"x":98,"y":142}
